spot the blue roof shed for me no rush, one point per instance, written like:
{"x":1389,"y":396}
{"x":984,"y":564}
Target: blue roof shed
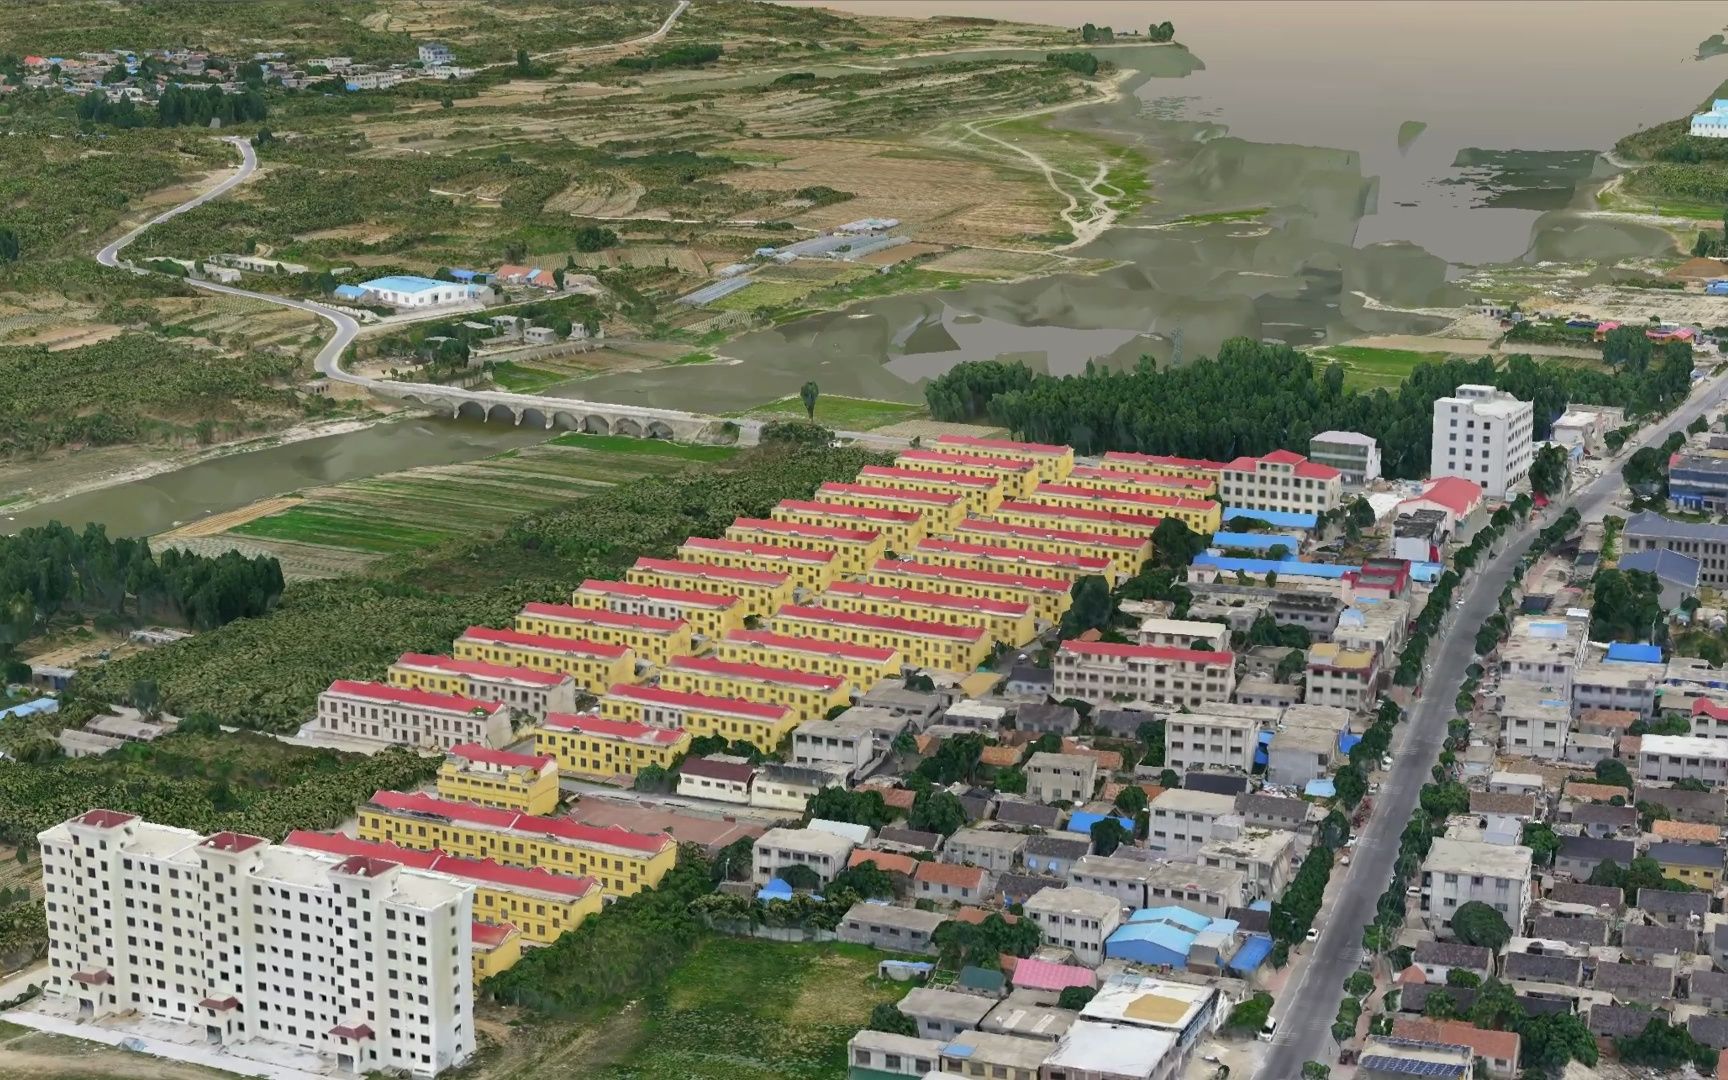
{"x":1081,"y":821}
{"x":1251,"y":955}
{"x":42,"y":706}
{"x":1283,"y":567}
{"x":1633,"y":652}
{"x":1322,"y":788}
{"x":1256,"y":541}
{"x":348,"y":292}
{"x":1279,"y":519}
{"x":1157,"y":944}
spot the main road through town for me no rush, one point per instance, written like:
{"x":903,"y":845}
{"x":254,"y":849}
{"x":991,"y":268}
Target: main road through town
{"x":1310,"y":1000}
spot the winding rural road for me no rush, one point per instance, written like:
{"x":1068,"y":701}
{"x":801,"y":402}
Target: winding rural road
{"x":1310,"y":1002}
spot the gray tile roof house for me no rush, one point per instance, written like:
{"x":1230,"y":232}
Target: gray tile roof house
{"x":1579,"y":855}
{"x":1271,"y":811}
{"x":1634,"y":982}
{"x":912,"y":838}
{"x":1698,"y":807}
{"x":1053,"y":854}
{"x":1502,"y":802}
{"x":1578,"y":892}
{"x":1670,"y":907}
{"x":1582,"y":931}
{"x":1645,"y":943}
{"x":1544,"y":967}
{"x":1712,"y":1031}
{"x":1414,"y":998}
{"x":1251,"y":920}
{"x":1017,"y":888}
{"x":1044,"y":719}
{"x":1618,"y":1021}
{"x":1671,"y":567}
{"x":1601,"y":819}
{"x":1708,"y":988}
{"x":1038,"y":815}
{"x":1121,"y":722}
{"x":1687,"y":855}
{"x":1544,"y":1006}
{"x":1454,"y":954}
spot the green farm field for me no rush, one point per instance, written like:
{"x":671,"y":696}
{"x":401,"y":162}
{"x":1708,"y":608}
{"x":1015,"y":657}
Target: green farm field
{"x":1366,"y":368}
{"x":843,"y":413}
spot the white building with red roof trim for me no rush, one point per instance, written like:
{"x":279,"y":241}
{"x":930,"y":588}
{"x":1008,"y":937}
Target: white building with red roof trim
{"x":1282,"y":481}
{"x":382,"y":713}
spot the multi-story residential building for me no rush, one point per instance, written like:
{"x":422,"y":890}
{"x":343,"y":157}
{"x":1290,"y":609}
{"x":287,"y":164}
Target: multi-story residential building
{"x":921,"y":643}
{"x":948,"y":883}
{"x":823,"y":852}
{"x":523,"y":689}
{"x":623,"y":862}
{"x":1126,"y":553}
{"x":1355,"y":455}
{"x":1212,"y":891}
{"x":593,"y":665}
{"x":655,"y":640}
{"x":1281,"y":482}
{"x":1099,"y":478}
{"x":1185,"y":634}
{"x":536,"y":901}
{"x":1668,"y":758}
{"x":1341,"y":677}
{"x":979,"y":494}
{"x":379,"y":712}
{"x":1048,"y":596}
{"x":1306,"y":744}
{"x":1378,"y":626}
{"x":996,"y":850}
{"x":499,"y":778}
{"x":1534,"y":721}
{"x":900,"y":529}
{"x":723,"y":780}
{"x":1052,"y":461}
{"x":1184,"y":821}
{"x":1485,"y":436}
{"x":790,"y":787}
{"x":855,"y":741}
{"x":1017,"y":476}
{"x":1612,"y":683}
{"x":1124,"y":879}
{"x":1100,"y":672}
{"x":1459,"y":871}
{"x":862,"y":666}
{"x":1314,"y":610}
{"x":889,"y":927}
{"x":1544,"y":651}
{"x":1220,"y":737}
{"x":763,"y":724}
{"x":761,"y":590}
{"x":1078,"y":919}
{"x":1699,"y":481}
{"x":1024,"y":512}
{"x":1061,"y":777}
{"x":853,"y":549}
{"x":1165,"y":465}
{"x":1204,"y":516}
{"x":1266,"y":859}
{"x":255,"y":943}
{"x":998,"y":559}
{"x":586,"y":744}
{"x":1704,"y":541}
{"x":1008,"y":621}
{"x":940,"y":510}
{"x":807,"y":693}
{"x":711,"y":615}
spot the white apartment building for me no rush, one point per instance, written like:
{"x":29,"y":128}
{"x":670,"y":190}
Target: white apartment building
{"x":852,"y":742}
{"x":1282,"y":481}
{"x":523,"y":689}
{"x":1185,"y":634}
{"x":379,"y":712}
{"x":1485,"y":436}
{"x":1667,"y":758}
{"x":1061,"y":777}
{"x":1628,"y":685}
{"x":1100,"y":672}
{"x":721,"y":778}
{"x":1534,"y":721}
{"x":1208,"y":890}
{"x":1352,"y":453}
{"x":1184,"y":821}
{"x":823,"y":852}
{"x":1220,"y":737}
{"x":358,"y":960}
{"x":1078,"y":919}
{"x":1342,"y":678}
{"x":1543,"y":650}
{"x":1459,"y":871}
{"x":1266,"y":859}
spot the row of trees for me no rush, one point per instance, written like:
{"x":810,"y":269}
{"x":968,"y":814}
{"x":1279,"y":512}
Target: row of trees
{"x":178,"y":106}
{"x":1255,"y":397}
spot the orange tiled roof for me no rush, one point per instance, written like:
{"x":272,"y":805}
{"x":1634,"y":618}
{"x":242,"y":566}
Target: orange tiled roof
{"x":1000,"y":756}
{"x":937,"y":873}
{"x":976,"y":915}
{"x":1596,"y":792}
{"x":1630,"y":745}
{"x":899,"y":798}
{"x":1485,"y":1043}
{"x":886,"y":861}
{"x":1687,"y":831}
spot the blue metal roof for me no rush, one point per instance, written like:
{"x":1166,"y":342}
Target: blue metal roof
{"x":32,"y":708}
{"x":463,"y":275}
{"x":1154,"y":943}
{"x":1172,"y":913}
{"x":1284,"y":567}
{"x":1426,"y":571}
{"x":1251,"y":955}
{"x":1634,"y":653}
{"x":1261,"y":755}
{"x":349,"y":292}
{"x":1347,"y":741}
{"x":1081,"y":821}
{"x":1277,"y":518}
{"x":1257,"y":541}
{"x":1322,"y":788}
{"x":410,"y":283}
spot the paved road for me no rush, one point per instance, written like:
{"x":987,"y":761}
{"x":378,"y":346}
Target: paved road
{"x":1310,"y":1001}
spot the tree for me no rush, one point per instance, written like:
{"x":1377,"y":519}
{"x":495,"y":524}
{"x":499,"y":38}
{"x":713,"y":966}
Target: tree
{"x":1010,"y":782}
{"x":936,"y":811}
{"x":1351,"y":785}
{"x":1160,"y":33}
{"x":886,"y":1016}
{"x":1091,"y":607}
{"x":1313,"y":1070}
{"x":1627,"y":347}
{"x":1540,"y":838}
{"x":524,"y":65}
{"x":1475,"y":923}
{"x":1443,"y":800}
{"x":652,"y":778}
{"x":1667,"y":1047}
{"x":1359,"y":984}
{"x":735,"y":861}
{"x":1251,"y":1014}
{"x":1131,"y":799}
{"x":808,"y":393}
{"x":1076,"y":997}
{"x":1108,"y":835}
{"x":865,"y":879}
{"x":1550,"y":1041}
{"x":1627,"y":606}
{"x":1460,"y":977}
{"x":8,"y":245}
{"x":796,"y":433}
{"x":1610,"y":771}
{"x":1645,"y":472}
{"x":1548,"y":469}
{"x":1496,"y":1005}
{"x":799,"y":877}
{"x":1440,"y":1006}
{"x":1174,"y":544}
{"x":857,"y":807}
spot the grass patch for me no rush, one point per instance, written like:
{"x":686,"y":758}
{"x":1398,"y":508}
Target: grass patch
{"x":698,"y":357}
{"x":1221,"y":215}
{"x":844,"y":413}
{"x":520,"y":379}
{"x":333,"y":528}
{"x":624,"y":444}
{"x":1366,"y":368}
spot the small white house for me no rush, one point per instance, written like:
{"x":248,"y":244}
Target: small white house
{"x":408,"y":291}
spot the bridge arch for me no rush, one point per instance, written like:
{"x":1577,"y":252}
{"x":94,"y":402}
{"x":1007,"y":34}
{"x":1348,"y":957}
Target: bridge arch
{"x":659,"y":429}
{"x":596,"y":425}
{"x":563,"y":421}
{"x":501,"y":413}
{"x":624,"y":425}
{"x":471,"y":410}
{"x":533,"y":417}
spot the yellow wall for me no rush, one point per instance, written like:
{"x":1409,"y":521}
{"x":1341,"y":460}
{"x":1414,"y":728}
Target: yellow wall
{"x":1051,"y":517}
{"x":1160,"y":468}
{"x":538,"y":917}
{"x":621,"y":873}
{"x":656,"y":646}
{"x":937,"y":519}
{"x":1047,"y":605}
{"x":859,"y":673}
{"x":434,"y":682}
{"x":1051,"y":467}
{"x":977,"y":499}
{"x":589,"y":752}
{"x":1013,"y":629}
{"x":1016,"y":483}
{"x":758,"y":599}
{"x":1003,"y":564}
{"x":765,"y":735}
{"x":1702,"y":877}
{"x":941,"y":653}
{"x":1145,"y":484}
{"x":850,"y":556}
{"x":806,"y":575}
{"x":592,"y":674}
{"x":501,"y":957}
{"x":1127,"y":560}
{"x":1202,"y":519}
{"x":807,"y":702}
{"x":710,"y":622}
{"x":896,"y":536}
{"x":535,"y":794}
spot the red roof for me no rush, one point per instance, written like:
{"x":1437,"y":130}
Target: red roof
{"x":418,"y":699}
{"x":1039,"y":532}
{"x":654,"y":695}
{"x":544,"y":642}
{"x":887,"y":861}
{"x":357,"y":1031}
{"x":686,"y":568}
{"x":1455,"y":493}
{"x":977,"y":443}
{"x":1080,"y":513}
{"x":937,"y":498}
{"x":889,"y":472}
{"x":760,"y":551}
{"x":843,"y":510}
{"x":1503,"y":1045}
{"x":736,"y":772}
{"x":537,"y":879}
{"x":1093,"y":472}
{"x":922,"y":627}
{"x":491,"y":935}
{"x":231,"y":841}
{"x":976,"y":577}
{"x":1123,"y":457}
{"x":1044,"y":975}
{"x":366,"y":866}
{"x":993,"y":551}
{"x":1706,"y":707}
{"x":788,"y":643}
{"x":1170,"y":502}
{"x":602,"y":617}
{"x":480,"y":669}
{"x":687,"y":597}
{"x":502,"y":758}
{"x":758,"y":673}
{"x":1303,"y":467}
{"x":626,"y":730}
{"x":1148,"y":652}
{"x":219,"y":1004}
{"x":562,"y":828}
{"x":923,"y":598}
{"x":976,"y":461}
{"x":940,"y":873}
{"x":801,"y":528}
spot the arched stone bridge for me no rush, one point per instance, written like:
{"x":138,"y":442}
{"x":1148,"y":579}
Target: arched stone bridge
{"x":566,"y":414}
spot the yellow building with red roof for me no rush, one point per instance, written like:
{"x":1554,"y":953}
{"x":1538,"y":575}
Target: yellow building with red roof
{"x":811,"y":570}
{"x":941,"y":510}
{"x":1008,"y":621}
{"x":981,"y":494}
{"x":900,"y":529}
{"x":762,"y":591}
{"x":763,"y":724}
{"x":594,"y":665}
{"x":921,"y":642}
{"x":1049,"y":596}
{"x":501,"y":778}
{"x":1018,"y":476}
{"x":861,"y":666}
{"x":853,"y":549}
{"x":1053,"y":461}
{"x":810,"y":694}
{"x":1126,"y":553}
{"x":710,"y":615}
{"x":656,"y":640}
{"x":591,"y":745}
